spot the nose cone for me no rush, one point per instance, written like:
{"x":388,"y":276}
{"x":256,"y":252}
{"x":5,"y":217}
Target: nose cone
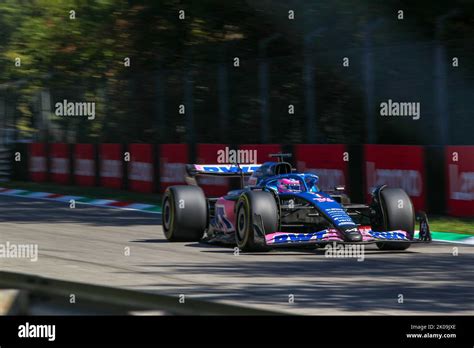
{"x":353,"y":235}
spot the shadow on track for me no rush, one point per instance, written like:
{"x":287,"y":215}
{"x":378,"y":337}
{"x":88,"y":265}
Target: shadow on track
{"x":428,"y":282}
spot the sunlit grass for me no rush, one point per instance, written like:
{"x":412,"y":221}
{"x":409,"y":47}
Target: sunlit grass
{"x":451,"y":224}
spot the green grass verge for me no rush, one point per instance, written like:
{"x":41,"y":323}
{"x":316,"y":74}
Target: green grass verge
{"x":91,"y":192}
{"x":451,"y":224}
{"x":437,"y":223}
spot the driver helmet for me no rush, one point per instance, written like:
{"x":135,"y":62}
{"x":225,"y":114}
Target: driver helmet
{"x":289,"y":185}
{"x":312,"y":182}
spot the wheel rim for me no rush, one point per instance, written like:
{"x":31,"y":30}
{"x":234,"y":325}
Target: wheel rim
{"x":241,"y":224}
{"x":166,"y":215}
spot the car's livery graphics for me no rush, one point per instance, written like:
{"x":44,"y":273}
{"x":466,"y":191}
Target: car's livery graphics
{"x":224,"y":216}
{"x":331,"y":235}
{"x":226,"y":168}
{"x":329,"y":207}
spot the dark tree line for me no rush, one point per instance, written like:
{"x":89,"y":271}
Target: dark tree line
{"x":81,"y":55}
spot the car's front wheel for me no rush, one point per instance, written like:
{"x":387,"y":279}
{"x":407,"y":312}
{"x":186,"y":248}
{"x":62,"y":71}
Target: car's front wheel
{"x":256,"y":213}
{"x":399,"y":214}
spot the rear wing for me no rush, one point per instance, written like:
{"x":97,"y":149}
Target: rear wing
{"x":219,"y":170}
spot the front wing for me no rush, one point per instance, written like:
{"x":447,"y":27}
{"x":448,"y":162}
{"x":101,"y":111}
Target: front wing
{"x":334,"y":235}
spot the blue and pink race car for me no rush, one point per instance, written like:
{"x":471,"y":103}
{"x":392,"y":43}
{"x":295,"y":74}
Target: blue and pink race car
{"x":277,"y":206}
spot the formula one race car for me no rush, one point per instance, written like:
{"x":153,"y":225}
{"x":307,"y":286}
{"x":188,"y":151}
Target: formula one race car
{"x":279,"y":207}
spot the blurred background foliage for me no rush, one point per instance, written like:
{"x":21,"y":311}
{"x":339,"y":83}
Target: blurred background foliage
{"x":191,"y":62}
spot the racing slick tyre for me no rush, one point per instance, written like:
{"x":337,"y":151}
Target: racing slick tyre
{"x":399,"y":214}
{"x":256,"y":215}
{"x":184,"y":213}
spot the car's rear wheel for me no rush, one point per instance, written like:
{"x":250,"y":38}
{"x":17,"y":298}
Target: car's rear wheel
{"x":256,"y":215}
{"x":399,"y":214}
{"x":184,"y":213}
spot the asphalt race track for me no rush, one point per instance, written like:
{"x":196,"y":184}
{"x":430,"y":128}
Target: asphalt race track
{"x":89,"y":244}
